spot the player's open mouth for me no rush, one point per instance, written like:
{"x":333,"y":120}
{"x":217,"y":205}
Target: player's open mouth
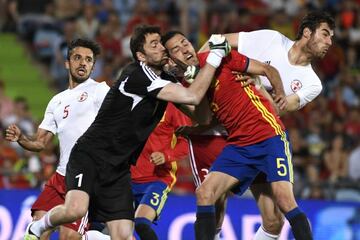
{"x":81,"y":71}
{"x":189,"y":56}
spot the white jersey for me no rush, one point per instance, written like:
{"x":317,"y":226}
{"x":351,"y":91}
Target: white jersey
{"x":272,"y":47}
{"x":70,"y":113}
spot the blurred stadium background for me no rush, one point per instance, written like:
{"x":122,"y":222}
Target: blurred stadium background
{"x":325,"y":134}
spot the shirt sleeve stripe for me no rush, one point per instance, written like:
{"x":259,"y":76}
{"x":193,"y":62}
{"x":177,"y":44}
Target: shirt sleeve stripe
{"x":149,"y":73}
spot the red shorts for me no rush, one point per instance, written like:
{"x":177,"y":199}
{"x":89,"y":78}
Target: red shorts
{"x":53,"y":195}
{"x":204,"y":150}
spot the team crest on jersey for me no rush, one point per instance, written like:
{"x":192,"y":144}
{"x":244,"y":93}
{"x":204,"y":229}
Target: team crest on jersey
{"x":296,"y":85}
{"x":83,"y":97}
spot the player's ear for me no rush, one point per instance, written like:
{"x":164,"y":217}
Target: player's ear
{"x":93,"y":67}
{"x":307,"y":33}
{"x":140,"y":56}
{"x":67,"y":66}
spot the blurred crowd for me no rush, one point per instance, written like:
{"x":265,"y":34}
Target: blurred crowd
{"x":325,"y":135}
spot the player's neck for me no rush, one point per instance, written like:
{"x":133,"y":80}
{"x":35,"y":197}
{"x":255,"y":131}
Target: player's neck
{"x":157,"y":71}
{"x":298,"y":54}
{"x":155,"y":68}
{"x":73,"y":84}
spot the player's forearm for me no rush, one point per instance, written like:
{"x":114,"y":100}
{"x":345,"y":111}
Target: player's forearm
{"x":232,"y":39}
{"x":191,"y":95}
{"x":201,"y":84}
{"x":274,"y":77}
{"x":265,"y":93}
{"x":29,"y":144}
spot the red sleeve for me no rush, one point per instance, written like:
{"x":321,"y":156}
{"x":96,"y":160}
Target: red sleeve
{"x":235,"y":61}
{"x":179,"y":152}
{"x":176,"y":118}
{"x":202,"y":58}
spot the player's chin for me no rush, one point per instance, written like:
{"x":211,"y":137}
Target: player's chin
{"x":164,"y":61}
{"x":80,"y":79}
{"x":322,"y":53}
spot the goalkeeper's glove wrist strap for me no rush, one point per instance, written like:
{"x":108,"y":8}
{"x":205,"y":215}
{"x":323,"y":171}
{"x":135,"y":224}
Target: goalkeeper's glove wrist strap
{"x":214,"y":59}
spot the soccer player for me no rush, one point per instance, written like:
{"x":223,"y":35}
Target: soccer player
{"x":205,"y":144}
{"x":68,"y":114}
{"x":257,"y":140}
{"x":301,"y":84}
{"x":154,"y":174}
{"x":98,"y":168}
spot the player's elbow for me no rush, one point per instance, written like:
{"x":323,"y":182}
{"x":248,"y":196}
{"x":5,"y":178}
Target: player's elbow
{"x":193,"y":99}
{"x":317,"y":90}
{"x":196,"y":100}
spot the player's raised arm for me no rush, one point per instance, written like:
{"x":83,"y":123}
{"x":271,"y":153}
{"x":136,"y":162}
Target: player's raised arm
{"x":193,"y":94}
{"x":232,"y":39}
{"x":259,"y":68}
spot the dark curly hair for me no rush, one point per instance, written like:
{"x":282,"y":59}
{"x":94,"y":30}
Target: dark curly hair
{"x":313,"y":20}
{"x":85,"y":43}
{"x":137,"y":40}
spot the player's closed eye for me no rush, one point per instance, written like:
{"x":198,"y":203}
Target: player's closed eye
{"x":154,"y":44}
{"x":185,"y":42}
{"x":175,"y":50}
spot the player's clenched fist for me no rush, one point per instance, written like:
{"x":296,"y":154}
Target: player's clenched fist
{"x":157,"y":158}
{"x":219,"y":44}
{"x":219,"y":48}
{"x":13,"y":133}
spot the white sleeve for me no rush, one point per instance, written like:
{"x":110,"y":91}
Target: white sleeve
{"x":309,"y":93}
{"x":252,"y":44}
{"x":49,"y":123}
{"x":101,"y":91}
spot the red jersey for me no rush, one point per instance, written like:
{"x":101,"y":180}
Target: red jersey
{"x":163,"y":139}
{"x":245,"y":113}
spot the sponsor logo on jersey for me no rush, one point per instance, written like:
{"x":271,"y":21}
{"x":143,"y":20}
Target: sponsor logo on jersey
{"x":296,"y":85}
{"x":83,"y":97}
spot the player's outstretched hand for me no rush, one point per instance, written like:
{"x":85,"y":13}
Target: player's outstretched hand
{"x":280,"y":101}
{"x":190,"y":73}
{"x":219,"y":44}
{"x":246,"y":79}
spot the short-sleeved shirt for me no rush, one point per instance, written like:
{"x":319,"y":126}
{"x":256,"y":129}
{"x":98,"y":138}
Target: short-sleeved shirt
{"x":245,"y":113}
{"x":70,"y":113}
{"x":128,"y":115}
{"x":272,"y":47}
